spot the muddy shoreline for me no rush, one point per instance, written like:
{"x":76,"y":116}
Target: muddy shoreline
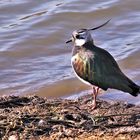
{"x":36,"y":118}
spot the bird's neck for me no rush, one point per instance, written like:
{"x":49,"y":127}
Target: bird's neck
{"x":89,"y":45}
{"x":85,"y":47}
{"x":76,"y":49}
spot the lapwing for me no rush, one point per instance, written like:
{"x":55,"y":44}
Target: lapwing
{"x":96,"y":66}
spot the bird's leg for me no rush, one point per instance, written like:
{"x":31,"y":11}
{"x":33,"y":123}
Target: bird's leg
{"x":95,"y":93}
{"x":94,"y":98}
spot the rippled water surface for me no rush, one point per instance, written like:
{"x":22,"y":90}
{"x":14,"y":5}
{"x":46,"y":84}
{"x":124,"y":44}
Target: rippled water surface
{"x":35,"y":59}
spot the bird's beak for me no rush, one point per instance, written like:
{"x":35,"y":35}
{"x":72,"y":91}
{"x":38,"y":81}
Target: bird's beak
{"x":100,"y":25}
{"x":70,"y":40}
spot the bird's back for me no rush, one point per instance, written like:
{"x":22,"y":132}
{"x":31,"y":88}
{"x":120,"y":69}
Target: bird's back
{"x":109,"y":75}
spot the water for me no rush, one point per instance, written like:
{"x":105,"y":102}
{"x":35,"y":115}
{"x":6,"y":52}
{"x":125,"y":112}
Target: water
{"x":34,"y":58}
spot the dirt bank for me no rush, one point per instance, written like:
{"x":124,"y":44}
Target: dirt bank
{"x":38,"y":118}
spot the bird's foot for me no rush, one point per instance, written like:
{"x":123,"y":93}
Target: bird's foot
{"x":91,"y":106}
{"x":94,"y":105}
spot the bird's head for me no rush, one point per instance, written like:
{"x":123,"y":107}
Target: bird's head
{"x":83,"y":36}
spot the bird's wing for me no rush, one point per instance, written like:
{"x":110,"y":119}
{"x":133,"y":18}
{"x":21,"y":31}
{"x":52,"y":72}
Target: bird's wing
{"x":105,"y":71}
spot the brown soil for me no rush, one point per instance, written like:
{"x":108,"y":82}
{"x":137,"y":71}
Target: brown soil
{"x":38,"y":118}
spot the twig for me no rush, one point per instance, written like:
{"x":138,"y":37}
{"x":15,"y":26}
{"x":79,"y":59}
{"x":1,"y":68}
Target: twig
{"x":114,"y":115}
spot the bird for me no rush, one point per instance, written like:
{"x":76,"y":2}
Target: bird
{"x":96,"y":67}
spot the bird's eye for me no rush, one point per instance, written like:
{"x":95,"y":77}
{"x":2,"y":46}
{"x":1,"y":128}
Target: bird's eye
{"x":78,"y":36}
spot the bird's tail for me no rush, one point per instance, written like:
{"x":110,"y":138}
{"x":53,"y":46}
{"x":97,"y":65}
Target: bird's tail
{"x":135,"y":89}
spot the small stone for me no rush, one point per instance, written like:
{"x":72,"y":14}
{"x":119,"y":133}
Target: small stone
{"x":13,"y":137}
{"x":42,"y":123}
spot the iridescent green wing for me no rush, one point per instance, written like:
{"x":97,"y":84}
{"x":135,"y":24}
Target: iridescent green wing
{"x":105,"y":72}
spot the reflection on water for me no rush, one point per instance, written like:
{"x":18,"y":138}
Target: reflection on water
{"x":34,"y":57}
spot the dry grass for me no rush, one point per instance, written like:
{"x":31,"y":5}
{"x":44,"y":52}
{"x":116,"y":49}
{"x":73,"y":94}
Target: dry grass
{"x":38,"y":118}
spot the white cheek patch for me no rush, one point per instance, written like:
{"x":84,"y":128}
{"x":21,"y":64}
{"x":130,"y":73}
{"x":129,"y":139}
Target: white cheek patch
{"x":80,"y":42}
